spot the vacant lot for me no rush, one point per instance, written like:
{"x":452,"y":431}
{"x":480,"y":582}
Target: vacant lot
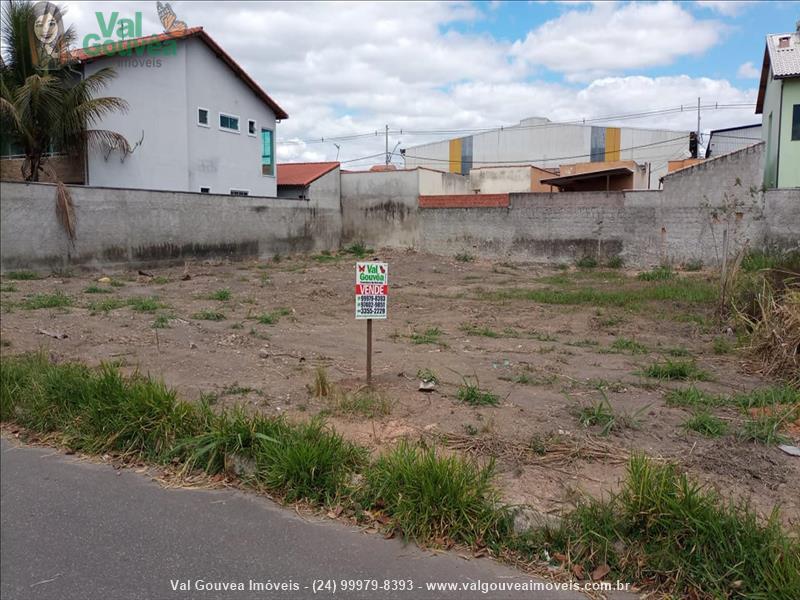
{"x":559,"y":374}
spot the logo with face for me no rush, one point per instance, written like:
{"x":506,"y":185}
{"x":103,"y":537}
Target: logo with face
{"x":48,"y":28}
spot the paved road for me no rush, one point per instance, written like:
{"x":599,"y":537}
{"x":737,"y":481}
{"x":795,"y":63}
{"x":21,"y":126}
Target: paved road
{"x":74,"y":530}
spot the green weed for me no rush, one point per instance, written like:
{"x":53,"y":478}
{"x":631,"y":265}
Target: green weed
{"x":222,"y":295}
{"x":693,"y":398}
{"x":706,"y":424}
{"x":55,"y":300}
{"x":274,"y":316}
{"x":765,"y":427}
{"x":679,"y":369}
{"x":209,"y":315}
{"x":106,"y":305}
{"x":722,"y":345}
{"x":359,"y":249}
{"x":427,"y":375}
{"x":474,"y":396}
{"x":464,"y":257}
{"x":615,"y":262}
{"x":431,"y":335}
{"x":161,"y":322}
{"x":8,"y":287}
{"x":96,"y":289}
{"x":658,"y":274}
{"x":628,"y":346}
{"x":21,"y":275}
{"x":586,"y":262}
{"x":479,"y":330}
{"x":145,"y":304}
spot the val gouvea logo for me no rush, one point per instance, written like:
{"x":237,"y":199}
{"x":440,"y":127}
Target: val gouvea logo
{"x":115,"y":31}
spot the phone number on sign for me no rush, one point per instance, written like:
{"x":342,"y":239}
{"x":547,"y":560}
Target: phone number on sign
{"x":333,"y":586}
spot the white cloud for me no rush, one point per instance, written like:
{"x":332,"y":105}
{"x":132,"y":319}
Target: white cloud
{"x":748,"y":71}
{"x":609,"y":38}
{"x":346,"y":68}
{"x":729,"y":8}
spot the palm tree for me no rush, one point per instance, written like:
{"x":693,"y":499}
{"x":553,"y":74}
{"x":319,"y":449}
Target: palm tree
{"x":45,"y":104}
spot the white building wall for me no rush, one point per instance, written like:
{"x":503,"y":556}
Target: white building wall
{"x":221,"y":159}
{"x":156,"y":95}
{"x":176,"y":153}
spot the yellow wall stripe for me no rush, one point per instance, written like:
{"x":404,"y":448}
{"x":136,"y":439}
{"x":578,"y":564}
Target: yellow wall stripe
{"x":612,"y":143}
{"x":455,"y":156}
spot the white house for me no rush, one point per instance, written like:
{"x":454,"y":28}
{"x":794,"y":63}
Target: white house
{"x":197,"y":121}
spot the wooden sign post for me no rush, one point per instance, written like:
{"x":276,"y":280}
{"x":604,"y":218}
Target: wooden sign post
{"x":372,"y":291}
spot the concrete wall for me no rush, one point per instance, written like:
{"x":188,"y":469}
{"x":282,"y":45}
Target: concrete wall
{"x":176,"y":153}
{"x":501,"y":180}
{"x":433,"y":182}
{"x":683,"y":222}
{"x":380,"y":208}
{"x":139,"y":227}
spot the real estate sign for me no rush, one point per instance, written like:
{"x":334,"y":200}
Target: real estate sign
{"x":372,"y":290}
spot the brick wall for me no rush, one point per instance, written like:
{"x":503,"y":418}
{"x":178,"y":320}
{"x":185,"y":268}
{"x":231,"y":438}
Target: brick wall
{"x":69,"y":169}
{"x":465,"y":201}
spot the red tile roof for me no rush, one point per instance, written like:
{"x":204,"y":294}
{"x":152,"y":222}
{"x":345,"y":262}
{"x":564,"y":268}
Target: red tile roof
{"x":303,"y":173}
{"x":85,"y":55}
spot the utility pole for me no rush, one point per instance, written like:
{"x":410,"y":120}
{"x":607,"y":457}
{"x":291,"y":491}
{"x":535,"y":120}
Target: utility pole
{"x":698,"y":119}
{"x":387,"y":144}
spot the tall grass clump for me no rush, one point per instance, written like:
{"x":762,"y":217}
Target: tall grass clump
{"x":676,"y":369}
{"x":661,"y":273}
{"x":435,"y":499}
{"x":763,"y":298}
{"x":310,"y":462}
{"x":667,"y":529}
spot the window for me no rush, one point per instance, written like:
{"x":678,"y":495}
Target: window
{"x":267,"y":152}
{"x":796,"y":123}
{"x":205,"y":190}
{"x":228,"y":122}
{"x":251,"y":127}
{"x":239,"y":192}
{"x":202,"y":117}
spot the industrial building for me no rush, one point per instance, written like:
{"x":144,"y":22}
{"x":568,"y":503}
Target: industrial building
{"x":542,"y":143}
{"x":731,"y":139}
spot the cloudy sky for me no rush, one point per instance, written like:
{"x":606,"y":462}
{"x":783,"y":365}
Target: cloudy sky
{"x":344,"y":70}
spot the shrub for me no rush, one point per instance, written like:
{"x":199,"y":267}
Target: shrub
{"x":586,"y":262}
{"x":615,"y":262}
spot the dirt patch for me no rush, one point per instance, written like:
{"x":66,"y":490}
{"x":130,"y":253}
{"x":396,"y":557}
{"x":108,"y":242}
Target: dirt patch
{"x":255,"y":333}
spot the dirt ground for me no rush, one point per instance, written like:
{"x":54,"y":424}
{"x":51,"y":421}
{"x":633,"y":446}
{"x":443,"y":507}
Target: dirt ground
{"x":543,"y":361}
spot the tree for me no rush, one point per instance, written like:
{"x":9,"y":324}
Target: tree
{"x":45,"y":103}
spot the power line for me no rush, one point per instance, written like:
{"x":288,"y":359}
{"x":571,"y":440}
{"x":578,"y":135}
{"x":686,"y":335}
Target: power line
{"x":620,"y":117}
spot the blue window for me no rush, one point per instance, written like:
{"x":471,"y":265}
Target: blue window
{"x":228,"y":122}
{"x":267,"y":152}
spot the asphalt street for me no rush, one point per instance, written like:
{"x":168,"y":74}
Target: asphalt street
{"x":76,"y":530}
